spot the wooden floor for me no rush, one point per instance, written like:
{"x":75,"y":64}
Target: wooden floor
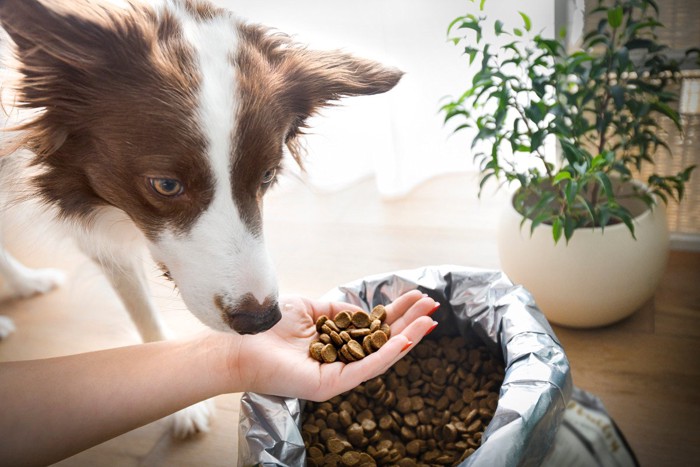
{"x":645,"y":369}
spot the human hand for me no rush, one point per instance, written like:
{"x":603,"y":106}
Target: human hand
{"x":277,"y":361}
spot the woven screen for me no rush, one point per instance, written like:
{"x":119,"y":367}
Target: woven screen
{"x":681,"y":19}
{"x":683,"y":218}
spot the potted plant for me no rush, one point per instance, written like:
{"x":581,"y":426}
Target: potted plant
{"x":585,"y":236}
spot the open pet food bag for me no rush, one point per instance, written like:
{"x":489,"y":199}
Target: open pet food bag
{"x":535,"y":398}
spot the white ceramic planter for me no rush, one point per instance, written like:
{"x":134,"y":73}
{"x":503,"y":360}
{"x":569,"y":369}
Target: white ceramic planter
{"x":598,"y":278}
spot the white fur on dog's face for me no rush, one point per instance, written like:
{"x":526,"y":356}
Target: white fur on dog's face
{"x":184,"y":92}
{"x":219,"y":260}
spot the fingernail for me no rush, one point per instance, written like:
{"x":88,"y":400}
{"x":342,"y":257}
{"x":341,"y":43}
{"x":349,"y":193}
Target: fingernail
{"x":405,"y":347}
{"x":435,"y":323}
{"x":437,"y":305}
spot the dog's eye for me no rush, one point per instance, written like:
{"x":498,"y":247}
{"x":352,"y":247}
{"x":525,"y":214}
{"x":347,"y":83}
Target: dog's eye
{"x":268,"y":177}
{"x":168,"y":187}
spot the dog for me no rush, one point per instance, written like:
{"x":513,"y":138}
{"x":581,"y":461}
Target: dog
{"x":163,"y":124}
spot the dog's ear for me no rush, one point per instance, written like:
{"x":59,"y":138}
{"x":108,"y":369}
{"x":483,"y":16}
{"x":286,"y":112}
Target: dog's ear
{"x":302,"y":80}
{"x":65,"y":51}
{"x":315,"y":79}
{"x":59,"y":38}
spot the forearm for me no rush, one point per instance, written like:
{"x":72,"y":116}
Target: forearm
{"x":56,"y":407}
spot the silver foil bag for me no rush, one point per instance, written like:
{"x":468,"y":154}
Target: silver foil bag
{"x":477,"y":304}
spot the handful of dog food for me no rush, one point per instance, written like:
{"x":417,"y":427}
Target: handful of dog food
{"x":350,"y":336}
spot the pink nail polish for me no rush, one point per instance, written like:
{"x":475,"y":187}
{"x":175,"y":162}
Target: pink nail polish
{"x":437,"y":305}
{"x":431,"y":328}
{"x":405,"y":347}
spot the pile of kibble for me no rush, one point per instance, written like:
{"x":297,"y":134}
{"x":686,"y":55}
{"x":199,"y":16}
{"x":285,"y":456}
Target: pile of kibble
{"x":430,"y":408}
{"x":350,"y":336}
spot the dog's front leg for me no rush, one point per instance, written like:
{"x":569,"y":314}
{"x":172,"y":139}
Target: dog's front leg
{"x":18,"y":281}
{"x":129,"y":281}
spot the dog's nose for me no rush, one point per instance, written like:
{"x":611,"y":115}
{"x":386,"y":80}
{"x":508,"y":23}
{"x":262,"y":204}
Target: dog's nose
{"x":247,"y":315}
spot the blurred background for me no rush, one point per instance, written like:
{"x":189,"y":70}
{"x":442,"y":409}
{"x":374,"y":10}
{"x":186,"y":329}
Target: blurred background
{"x":399,"y":138}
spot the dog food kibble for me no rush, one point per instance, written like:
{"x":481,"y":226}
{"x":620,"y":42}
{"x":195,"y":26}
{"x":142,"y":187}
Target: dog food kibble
{"x":350,"y":336}
{"x":430,"y":408}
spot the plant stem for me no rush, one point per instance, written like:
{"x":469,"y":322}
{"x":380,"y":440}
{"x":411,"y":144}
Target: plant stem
{"x":601,"y":114}
{"x":529,"y":133}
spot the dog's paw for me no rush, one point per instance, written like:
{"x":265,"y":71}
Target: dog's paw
{"x":33,"y":282}
{"x":7,"y":327}
{"x":193,"y":419}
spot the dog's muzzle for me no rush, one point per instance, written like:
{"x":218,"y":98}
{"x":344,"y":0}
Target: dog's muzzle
{"x":248,"y":316}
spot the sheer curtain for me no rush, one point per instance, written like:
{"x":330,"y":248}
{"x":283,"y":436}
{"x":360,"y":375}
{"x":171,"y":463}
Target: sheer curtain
{"x":399,"y":137}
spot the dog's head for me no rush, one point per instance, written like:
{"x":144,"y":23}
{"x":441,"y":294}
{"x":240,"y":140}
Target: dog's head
{"x":176,"y":115}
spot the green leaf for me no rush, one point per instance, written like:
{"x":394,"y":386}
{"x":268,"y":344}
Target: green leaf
{"x":685,"y":175}
{"x":468,"y":22}
{"x":654,"y":5}
{"x":539,"y":219}
{"x":556,"y":229}
{"x":551,"y":46}
{"x":633,"y":29}
{"x":639,"y":44}
{"x":498,"y":26}
{"x":615,"y":16}
{"x":452,"y":24}
{"x":534,"y":113}
{"x":471,"y":24}
{"x":569,"y":227}
{"x":563,"y":175}
{"x":573,"y":154}
{"x":537,"y":139}
{"x":571,"y":192}
{"x":526,"y":21}
{"x":603,"y":217}
{"x":485,"y":179}
{"x":666,"y":110}
{"x":624,"y":215}
{"x":517,"y":32}
{"x":622,"y":55}
{"x":588,"y":206}
{"x":471,"y":51}
{"x":481,"y":5}
{"x":607,"y":185}
{"x":597,"y":39}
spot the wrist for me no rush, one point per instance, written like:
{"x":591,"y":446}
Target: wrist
{"x":220,"y":352}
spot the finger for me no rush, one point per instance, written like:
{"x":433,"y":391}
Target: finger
{"x":353,"y":374}
{"x":398,"y":307}
{"x":425,"y":306}
{"x":410,"y":337}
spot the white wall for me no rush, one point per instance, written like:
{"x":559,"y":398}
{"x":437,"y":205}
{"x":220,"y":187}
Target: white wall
{"x":398,"y":136}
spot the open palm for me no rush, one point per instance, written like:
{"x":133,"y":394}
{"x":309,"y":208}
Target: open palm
{"x":277,"y":361}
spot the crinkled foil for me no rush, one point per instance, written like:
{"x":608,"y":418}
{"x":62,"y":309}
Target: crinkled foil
{"x":477,"y":304}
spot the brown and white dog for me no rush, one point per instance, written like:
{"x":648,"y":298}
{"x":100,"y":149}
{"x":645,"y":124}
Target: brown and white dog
{"x":163,"y":124}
